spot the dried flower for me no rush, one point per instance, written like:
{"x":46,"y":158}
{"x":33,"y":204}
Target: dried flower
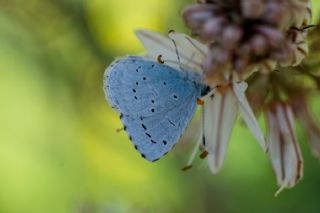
{"x":246,"y":35}
{"x":220,"y":113}
{"x":306,"y":118}
{"x":220,"y":107}
{"x":284,"y":96}
{"x":283,"y":149}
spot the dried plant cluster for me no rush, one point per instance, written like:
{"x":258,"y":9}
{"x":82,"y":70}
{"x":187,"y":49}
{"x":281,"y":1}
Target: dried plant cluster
{"x":248,"y":35}
{"x":266,"y":44}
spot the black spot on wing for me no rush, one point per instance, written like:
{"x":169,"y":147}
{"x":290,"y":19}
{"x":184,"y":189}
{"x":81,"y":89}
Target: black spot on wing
{"x":155,"y":160}
{"x":144,"y":127}
{"x":173,"y":124}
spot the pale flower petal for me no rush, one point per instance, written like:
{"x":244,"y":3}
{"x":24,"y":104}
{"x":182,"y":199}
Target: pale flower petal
{"x":284,"y":152}
{"x":194,"y":51}
{"x":196,"y":148}
{"x":174,"y":48}
{"x":310,"y":126}
{"x":220,"y":113}
{"x":274,"y":145}
{"x":314,"y":141}
{"x":247,"y":113}
{"x":293,"y":161}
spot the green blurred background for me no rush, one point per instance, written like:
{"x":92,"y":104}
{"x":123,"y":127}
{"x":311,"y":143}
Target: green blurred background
{"x":59,"y":151}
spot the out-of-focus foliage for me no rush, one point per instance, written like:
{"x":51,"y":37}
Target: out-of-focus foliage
{"x":59,"y":151}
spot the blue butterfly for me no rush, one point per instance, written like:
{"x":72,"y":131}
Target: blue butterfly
{"x":156,"y":102}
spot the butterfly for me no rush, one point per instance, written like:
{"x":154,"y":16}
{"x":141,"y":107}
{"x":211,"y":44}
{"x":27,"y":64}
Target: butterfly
{"x":156,"y":102}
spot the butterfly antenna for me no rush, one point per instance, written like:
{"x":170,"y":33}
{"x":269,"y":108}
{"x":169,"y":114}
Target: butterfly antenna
{"x":175,"y":47}
{"x":195,"y":46}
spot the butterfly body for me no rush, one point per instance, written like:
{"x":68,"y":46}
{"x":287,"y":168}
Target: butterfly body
{"x":156,"y":102}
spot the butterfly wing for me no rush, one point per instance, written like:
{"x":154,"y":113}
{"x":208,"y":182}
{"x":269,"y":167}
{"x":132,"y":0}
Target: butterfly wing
{"x":137,"y":86}
{"x":156,"y":102}
{"x":154,"y":136}
{"x":191,"y":52}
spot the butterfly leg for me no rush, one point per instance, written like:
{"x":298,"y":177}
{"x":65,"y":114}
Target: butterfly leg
{"x":200,"y":144}
{"x":202,"y":147}
{"x":120,"y":129}
{"x":200,"y":102}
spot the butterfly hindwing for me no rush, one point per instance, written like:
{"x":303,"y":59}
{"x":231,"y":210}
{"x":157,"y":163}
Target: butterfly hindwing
{"x":154,"y":136}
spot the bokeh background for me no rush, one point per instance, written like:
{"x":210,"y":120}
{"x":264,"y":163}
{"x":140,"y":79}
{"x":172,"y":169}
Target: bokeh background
{"x":59,"y":151}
